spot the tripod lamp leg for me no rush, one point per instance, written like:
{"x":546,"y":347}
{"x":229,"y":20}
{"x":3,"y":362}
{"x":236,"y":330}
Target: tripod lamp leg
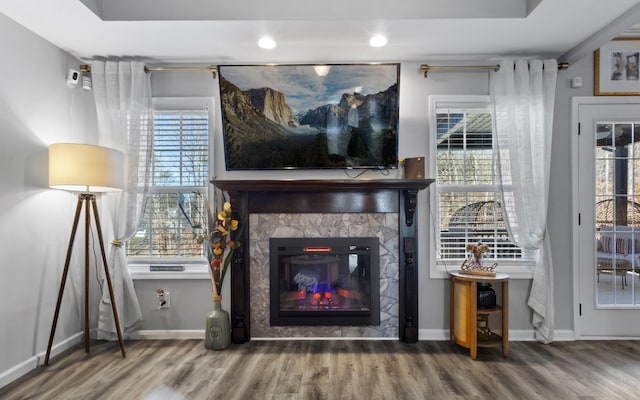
{"x":108,"y":276}
{"x":64,"y":279}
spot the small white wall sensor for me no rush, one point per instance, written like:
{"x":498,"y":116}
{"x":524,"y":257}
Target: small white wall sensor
{"x":73,"y":77}
{"x":576,"y":82}
{"x":86,"y":83}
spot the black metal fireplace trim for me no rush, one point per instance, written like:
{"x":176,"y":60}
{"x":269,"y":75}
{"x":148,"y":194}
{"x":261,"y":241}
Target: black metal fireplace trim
{"x":327,"y":196}
{"x":320,"y":318}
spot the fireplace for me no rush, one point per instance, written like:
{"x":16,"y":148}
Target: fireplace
{"x":324,"y":281}
{"x":398,"y":196}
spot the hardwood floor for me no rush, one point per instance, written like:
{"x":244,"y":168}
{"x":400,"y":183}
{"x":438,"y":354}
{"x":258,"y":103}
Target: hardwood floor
{"x":279,"y":370}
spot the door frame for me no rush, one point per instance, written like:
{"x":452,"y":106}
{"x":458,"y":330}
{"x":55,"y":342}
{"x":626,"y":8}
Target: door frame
{"x":576,"y":103}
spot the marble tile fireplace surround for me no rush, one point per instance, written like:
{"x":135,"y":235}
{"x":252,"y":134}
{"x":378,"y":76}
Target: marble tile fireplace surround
{"x":385,"y":208}
{"x":314,"y":226}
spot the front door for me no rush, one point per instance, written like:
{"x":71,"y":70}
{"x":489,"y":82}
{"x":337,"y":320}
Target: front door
{"x":607,"y":172}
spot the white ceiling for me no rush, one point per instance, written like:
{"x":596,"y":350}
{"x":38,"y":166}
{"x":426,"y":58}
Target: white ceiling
{"x":226,"y":31}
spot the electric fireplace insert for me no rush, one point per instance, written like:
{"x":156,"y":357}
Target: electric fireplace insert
{"x":324,"y":281}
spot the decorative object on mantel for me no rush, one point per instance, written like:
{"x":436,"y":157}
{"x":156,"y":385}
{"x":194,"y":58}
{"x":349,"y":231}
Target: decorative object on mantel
{"x":474,"y":265}
{"x":414,"y":168}
{"x":220,"y":249}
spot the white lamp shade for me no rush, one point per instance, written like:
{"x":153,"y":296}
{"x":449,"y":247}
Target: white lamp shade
{"x":84,"y":167}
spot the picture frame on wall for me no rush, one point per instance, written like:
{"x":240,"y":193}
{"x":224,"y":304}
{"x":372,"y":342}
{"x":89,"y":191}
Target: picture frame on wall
{"x":616,"y":68}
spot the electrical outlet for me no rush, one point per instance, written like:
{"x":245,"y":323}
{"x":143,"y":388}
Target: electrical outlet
{"x":163,"y":299}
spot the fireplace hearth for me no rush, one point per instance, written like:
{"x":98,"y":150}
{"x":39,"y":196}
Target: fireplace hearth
{"x":324,"y":281}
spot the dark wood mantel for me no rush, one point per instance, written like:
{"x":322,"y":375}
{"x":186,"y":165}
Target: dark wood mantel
{"x":328,"y":196}
{"x":333,"y":185}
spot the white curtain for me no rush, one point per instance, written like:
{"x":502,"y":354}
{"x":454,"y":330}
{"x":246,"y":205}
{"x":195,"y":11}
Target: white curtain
{"x":523,"y":93}
{"x":122,"y":92}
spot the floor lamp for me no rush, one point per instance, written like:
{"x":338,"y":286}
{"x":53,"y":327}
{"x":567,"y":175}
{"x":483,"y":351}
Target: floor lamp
{"x":86,"y":169}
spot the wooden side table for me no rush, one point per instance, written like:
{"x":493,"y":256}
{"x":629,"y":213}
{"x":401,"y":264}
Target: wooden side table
{"x":463,"y":328}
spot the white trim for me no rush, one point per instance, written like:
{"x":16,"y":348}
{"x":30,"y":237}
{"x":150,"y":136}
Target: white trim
{"x":299,"y":338}
{"x":564,"y":335}
{"x":191,"y":271}
{"x":439,"y":269}
{"x":199,"y":334}
{"x":61,"y":347}
{"x":584,"y":337}
{"x":528,"y":335}
{"x":576,"y":102}
{"x":176,"y":104}
{"x":515,"y":335}
{"x":433,"y":334}
{"x":173,"y":334}
{"x":182,"y":103}
{"x":26,"y":366}
{"x":575,"y":254}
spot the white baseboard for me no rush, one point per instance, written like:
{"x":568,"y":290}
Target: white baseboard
{"x":199,"y":334}
{"x":515,"y":335}
{"x":26,"y":366}
{"x":166,"y":334}
{"x":433,"y":334}
{"x":528,"y":335}
{"x":266,"y":339}
{"x":564,"y":335}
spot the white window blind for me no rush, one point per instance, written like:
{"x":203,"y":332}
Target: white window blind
{"x":468,"y":199}
{"x":175,"y":209}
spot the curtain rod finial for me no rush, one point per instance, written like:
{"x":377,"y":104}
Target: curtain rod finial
{"x":425,"y":69}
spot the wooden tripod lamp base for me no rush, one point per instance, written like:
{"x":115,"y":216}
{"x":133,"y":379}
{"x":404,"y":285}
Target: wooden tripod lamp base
{"x":92,"y":169}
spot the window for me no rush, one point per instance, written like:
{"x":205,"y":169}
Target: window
{"x":175,"y":210}
{"x":467,"y":200}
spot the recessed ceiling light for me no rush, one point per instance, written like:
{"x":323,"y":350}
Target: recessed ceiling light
{"x":266,"y":43}
{"x":322,"y":70}
{"x":378,"y":41}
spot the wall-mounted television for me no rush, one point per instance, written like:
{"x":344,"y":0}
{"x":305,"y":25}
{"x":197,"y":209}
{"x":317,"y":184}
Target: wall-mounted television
{"x":310,"y":116}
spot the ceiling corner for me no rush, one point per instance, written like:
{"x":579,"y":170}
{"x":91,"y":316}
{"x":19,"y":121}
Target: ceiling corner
{"x":531,"y":5}
{"x":94,"y":5}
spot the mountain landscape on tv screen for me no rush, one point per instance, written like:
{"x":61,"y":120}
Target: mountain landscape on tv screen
{"x":261,"y":131}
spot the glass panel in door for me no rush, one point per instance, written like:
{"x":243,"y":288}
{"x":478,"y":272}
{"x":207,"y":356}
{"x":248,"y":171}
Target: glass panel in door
{"x":617,"y":213}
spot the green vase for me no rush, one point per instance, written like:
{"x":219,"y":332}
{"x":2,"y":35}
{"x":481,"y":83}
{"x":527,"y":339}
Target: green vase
{"x":217,"y":335}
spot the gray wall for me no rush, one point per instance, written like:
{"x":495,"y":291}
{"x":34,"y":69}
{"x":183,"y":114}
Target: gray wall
{"x":560,"y":207}
{"x":414,"y":93}
{"x":36,"y":109}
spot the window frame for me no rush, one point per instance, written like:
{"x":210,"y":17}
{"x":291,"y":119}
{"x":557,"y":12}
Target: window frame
{"x":194,"y":268}
{"x":440,"y":268}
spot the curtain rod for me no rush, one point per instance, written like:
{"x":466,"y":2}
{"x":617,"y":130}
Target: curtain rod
{"x":211,"y":68}
{"x":426,"y":68}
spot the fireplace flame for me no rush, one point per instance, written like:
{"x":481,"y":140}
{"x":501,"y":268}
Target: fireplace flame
{"x":317,"y":249}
